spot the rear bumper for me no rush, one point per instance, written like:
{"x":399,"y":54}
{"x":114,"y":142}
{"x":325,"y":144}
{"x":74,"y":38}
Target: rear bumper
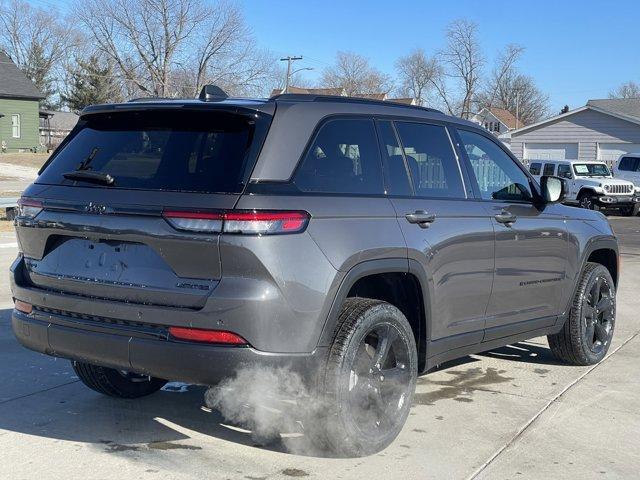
{"x":147,"y":351}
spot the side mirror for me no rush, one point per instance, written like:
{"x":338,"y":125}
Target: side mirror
{"x":553,"y":189}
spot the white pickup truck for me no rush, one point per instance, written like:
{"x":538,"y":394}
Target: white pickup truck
{"x":590,"y":184}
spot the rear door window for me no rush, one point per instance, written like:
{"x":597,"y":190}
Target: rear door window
{"x":343,"y":158}
{"x":395,"y":168}
{"x":431,"y":160}
{"x":159,"y":150}
{"x":549,"y":169}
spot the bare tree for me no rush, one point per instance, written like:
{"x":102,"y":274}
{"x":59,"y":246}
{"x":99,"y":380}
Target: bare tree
{"x":417,"y":74}
{"x":463,"y":62}
{"x":354,"y":73}
{"x":169,"y":47}
{"x":513,"y":91}
{"x":626,"y":90}
{"x":38,"y":41}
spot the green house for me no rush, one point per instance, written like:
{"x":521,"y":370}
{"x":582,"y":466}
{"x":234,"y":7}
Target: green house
{"x":19,"y":114}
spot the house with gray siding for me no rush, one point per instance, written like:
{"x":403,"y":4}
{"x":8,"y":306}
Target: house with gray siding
{"x":601,"y":130}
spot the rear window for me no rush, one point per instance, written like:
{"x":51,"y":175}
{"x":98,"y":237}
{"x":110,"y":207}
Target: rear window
{"x":343,"y":158}
{"x":185,"y":151}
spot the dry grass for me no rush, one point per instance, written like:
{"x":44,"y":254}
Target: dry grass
{"x":33,"y":160}
{"x":5,"y":225}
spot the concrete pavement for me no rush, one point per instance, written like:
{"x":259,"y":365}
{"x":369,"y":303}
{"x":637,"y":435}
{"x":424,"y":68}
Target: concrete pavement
{"x":509,"y":413}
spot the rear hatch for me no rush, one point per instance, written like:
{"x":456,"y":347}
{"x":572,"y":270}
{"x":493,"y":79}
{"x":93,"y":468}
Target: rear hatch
{"x":103,"y":232}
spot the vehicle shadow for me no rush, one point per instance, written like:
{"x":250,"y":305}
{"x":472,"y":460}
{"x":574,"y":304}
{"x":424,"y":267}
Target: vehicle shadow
{"x":523,"y":352}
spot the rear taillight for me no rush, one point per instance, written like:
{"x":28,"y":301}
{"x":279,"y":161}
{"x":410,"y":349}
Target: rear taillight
{"x":194,"y":221}
{"x":29,"y":208}
{"x":206,"y":336}
{"x":250,"y":222}
{"x":23,"y":307}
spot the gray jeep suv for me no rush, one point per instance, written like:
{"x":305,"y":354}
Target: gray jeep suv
{"x":359,"y":243}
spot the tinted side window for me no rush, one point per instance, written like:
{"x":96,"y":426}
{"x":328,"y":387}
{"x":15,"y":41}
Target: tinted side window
{"x":534,"y":168}
{"x":549,"y":169}
{"x":431,"y":160}
{"x":564,"y":171}
{"x":498,"y":176}
{"x":395,"y":169}
{"x":343,"y":158}
{"x":629,"y":164}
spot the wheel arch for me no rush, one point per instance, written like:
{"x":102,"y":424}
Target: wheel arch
{"x":586,"y":190}
{"x":603,"y":250}
{"x":368,"y":278}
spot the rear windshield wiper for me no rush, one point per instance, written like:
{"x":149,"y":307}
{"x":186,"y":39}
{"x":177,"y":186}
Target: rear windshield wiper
{"x":89,"y":176}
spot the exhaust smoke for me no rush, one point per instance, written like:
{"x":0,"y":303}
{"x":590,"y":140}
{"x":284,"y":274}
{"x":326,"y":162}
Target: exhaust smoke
{"x":275,"y":405}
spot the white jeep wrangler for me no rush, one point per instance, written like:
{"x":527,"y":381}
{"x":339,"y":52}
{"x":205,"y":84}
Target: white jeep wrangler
{"x":590,"y":184}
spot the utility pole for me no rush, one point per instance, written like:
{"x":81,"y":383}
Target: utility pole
{"x":517,"y":108}
{"x":288,"y":59}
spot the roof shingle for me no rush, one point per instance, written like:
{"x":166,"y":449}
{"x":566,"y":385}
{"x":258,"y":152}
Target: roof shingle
{"x":13,"y":83}
{"x":622,"y":106}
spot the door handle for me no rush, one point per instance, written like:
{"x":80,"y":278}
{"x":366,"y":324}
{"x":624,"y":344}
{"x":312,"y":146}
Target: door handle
{"x":506,"y":217}
{"x":422,"y":218}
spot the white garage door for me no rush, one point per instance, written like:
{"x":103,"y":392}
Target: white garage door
{"x":551,"y":151}
{"x":609,"y":152}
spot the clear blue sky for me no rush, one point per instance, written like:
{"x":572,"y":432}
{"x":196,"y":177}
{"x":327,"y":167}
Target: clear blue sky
{"x":575,"y":50}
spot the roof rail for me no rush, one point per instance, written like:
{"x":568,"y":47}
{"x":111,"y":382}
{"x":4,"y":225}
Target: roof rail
{"x":305,"y":97}
{"x":152,"y":99}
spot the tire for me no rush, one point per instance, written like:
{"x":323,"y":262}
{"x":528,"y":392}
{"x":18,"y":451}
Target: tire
{"x":364,"y":414}
{"x":116,"y":383}
{"x":628,"y":211}
{"x":585,"y":200}
{"x":586,"y":335}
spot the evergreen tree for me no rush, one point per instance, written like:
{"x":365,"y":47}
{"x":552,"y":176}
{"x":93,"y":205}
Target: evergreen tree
{"x":38,"y":69}
{"x":91,"y":82}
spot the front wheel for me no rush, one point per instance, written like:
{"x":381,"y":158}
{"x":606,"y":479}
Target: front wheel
{"x":587,"y":333}
{"x":116,"y":383}
{"x":369,"y":379}
{"x":586,"y":201}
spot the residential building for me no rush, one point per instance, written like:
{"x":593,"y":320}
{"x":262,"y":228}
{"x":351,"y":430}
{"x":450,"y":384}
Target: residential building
{"x":19,"y":100}
{"x":497,"y":120}
{"x":55,"y":126}
{"x":600,"y":130}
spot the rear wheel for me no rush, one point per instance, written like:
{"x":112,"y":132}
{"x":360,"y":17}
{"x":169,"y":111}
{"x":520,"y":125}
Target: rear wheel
{"x":370,"y":378}
{"x":587,"y":333}
{"x":117,"y":383}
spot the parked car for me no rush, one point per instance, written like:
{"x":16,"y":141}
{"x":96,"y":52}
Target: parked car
{"x":627,"y":167}
{"x":591,"y":184}
{"x":359,"y":243}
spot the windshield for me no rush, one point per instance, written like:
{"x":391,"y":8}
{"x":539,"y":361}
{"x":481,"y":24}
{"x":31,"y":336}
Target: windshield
{"x":188,"y":151}
{"x":591,"y":169}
